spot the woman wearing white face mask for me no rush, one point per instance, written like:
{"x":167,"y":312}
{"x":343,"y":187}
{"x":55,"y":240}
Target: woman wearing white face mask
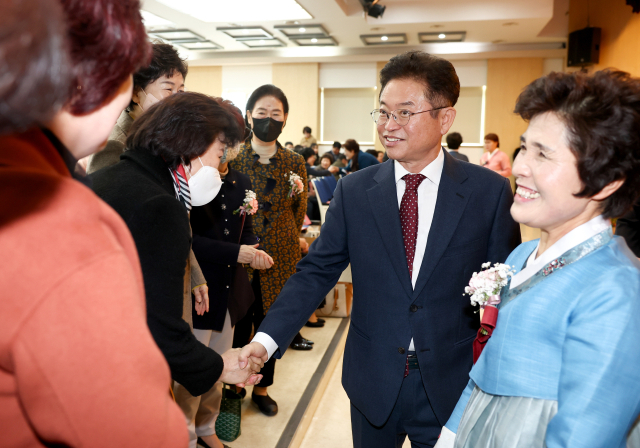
{"x":224,"y":243}
{"x":149,"y":188}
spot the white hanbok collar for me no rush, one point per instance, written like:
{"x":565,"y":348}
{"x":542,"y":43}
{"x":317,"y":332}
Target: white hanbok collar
{"x":577,"y":236}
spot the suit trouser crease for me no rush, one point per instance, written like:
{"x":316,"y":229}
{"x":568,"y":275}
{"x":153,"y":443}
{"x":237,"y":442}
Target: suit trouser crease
{"x":202,"y":412}
{"x":411,"y":416}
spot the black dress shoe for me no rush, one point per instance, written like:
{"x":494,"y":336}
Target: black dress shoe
{"x":266,"y":404}
{"x":300,"y":346}
{"x":322,"y":321}
{"x":307,"y":341}
{"x":314,"y":324}
{"x":203,"y":444}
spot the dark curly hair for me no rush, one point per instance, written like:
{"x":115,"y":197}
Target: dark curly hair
{"x":183,"y":126}
{"x":165,"y":62}
{"x":442,"y":87}
{"x":602,"y":114}
{"x":108,"y":43}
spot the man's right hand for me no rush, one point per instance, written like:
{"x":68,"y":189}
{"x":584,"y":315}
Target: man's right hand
{"x":240,"y":371}
{"x":253,"y":351}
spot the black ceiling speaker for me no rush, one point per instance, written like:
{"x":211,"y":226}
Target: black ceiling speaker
{"x":635,"y":4}
{"x":584,"y":47}
{"x":376,"y":11}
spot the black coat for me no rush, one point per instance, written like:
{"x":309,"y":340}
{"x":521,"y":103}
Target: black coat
{"x":140,"y":189}
{"x":216,"y":244}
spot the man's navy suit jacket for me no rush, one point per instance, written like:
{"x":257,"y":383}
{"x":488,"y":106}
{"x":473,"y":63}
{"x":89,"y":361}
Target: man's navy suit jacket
{"x":471,"y":225}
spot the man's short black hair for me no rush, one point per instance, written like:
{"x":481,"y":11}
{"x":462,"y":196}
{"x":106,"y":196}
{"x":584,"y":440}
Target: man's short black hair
{"x":454,"y":140}
{"x":306,"y":129}
{"x":337,"y":145}
{"x":442,"y":86}
{"x":288,"y":143}
{"x":165,"y":62}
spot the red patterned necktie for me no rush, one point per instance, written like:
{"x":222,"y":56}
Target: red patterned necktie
{"x":409,"y":216}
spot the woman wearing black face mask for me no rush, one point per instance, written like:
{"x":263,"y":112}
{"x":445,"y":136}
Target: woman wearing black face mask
{"x":279,"y":219}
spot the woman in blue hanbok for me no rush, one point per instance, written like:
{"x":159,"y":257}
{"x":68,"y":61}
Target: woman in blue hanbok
{"x":562,"y":367}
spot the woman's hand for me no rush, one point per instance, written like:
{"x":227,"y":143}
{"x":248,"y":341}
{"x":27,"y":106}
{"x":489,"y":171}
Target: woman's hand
{"x":201,"y":294}
{"x":304,"y":246}
{"x":261,"y":260}
{"x":247,"y":253}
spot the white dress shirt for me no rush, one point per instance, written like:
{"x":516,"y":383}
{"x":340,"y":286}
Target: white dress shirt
{"x":427,"y":196}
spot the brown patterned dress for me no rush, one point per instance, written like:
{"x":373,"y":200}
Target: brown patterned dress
{"x":279,"y":219}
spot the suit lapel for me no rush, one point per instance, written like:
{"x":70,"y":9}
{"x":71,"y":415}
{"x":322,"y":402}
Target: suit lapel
{"x":383,"y":199}
{"x":450,"y":204}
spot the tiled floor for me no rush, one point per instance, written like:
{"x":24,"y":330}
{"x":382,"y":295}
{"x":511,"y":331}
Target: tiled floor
{"x":293,"y":373}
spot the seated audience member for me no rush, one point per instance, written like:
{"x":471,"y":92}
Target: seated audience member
{"x":341,"y":162}
{"x":314,"y":146}
{"x":454,"y":140}
{"x":289,"y":146}
{"x":79,"y":366}
{"x":164,"y":76}
{"x":357,"y":159}
{"x":307,"y":138}
{"x":173,"y":151}
{"x":335,"y":150}
{"x":381,"y":155}
{"x":373,"y":152}
{"x":223,"y":241}
{"x":330,"y":155}
{"x":628,"y":227}
{"x":298,"y":149}
{"x":326,"y":161}
{"x":561,"y":366}
{"x":309,"y":159}
{"x":493,"y":158}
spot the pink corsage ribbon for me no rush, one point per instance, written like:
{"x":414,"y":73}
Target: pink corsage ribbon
{"x":492,"y":300}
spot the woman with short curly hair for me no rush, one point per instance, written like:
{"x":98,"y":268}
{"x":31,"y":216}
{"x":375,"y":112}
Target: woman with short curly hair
{"x":561,"y":367}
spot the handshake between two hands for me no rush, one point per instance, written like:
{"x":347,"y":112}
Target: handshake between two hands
{"x":241,"y":366}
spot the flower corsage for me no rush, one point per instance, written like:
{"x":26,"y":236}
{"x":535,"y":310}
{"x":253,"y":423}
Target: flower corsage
{"x":249,"y":204}
{"x":295,"y":181}
{"x":484,"y":289}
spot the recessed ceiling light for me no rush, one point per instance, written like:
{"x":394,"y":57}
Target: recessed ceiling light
{"x":449,"y":36}
{"x":241,"y":11}
{"x":314,"y":40}
{"x":308,"y":31}
{"x":384,"y":39}
{"x":261,"y":41}
{"x":246,"y":32}
{"x":311,"y":41}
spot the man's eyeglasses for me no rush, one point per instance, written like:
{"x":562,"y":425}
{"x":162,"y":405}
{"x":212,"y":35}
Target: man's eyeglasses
{"x":402,"y":116}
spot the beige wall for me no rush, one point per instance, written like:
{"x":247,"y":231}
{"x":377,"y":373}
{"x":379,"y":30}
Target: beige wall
{"x":620,"y":38}
{"x":205,"y":80}
{"x":379,"y":67}
{"x":506,"y":78}
{"x":300,"y":83}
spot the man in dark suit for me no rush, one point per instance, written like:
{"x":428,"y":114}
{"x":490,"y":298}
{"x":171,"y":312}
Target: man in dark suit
{"x":414,"y":229}
{"x":454,"y":140}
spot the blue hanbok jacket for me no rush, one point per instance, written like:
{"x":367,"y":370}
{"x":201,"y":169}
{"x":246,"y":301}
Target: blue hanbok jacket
{"x":575,"y":338}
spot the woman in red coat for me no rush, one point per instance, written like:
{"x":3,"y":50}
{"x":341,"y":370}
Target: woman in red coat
{"x":78,"y":365}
